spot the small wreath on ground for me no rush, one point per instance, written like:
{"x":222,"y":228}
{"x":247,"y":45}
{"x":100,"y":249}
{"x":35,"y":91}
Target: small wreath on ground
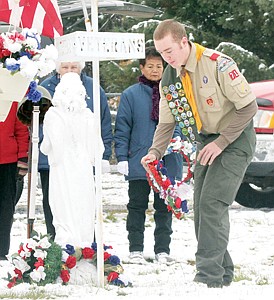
{"x":174,"y":193}
{"x":40,"y":260}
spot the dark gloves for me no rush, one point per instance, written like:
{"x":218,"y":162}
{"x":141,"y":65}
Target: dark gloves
{"x":22,"y":167}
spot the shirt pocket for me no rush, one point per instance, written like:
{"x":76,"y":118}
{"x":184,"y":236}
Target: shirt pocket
{"x":240,"y":86}
{"x":209,"y":99}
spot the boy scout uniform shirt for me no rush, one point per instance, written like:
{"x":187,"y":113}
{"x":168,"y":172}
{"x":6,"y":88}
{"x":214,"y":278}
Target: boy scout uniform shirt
{"x":219,"y":89}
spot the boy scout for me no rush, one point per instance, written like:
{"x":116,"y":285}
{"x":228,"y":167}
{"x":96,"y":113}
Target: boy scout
{"x":204,"y":91}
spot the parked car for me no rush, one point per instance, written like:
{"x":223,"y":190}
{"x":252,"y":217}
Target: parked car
{"x":257,"y":188}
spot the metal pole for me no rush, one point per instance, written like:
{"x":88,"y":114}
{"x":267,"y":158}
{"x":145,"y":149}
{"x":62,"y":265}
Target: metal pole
{"x":98,"y":158}
{"x":33,"y":169}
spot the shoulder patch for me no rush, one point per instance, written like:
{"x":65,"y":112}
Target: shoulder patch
{"x":214,"y":56}
{"x":225,"y":63}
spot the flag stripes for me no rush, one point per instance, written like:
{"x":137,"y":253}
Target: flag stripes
{"x":43,"y":15}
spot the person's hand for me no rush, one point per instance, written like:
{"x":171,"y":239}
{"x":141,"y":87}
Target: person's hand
{"x":207,"y":155}
{"x":122,"y":167}
{"x":22,"y":167}
{"x":147,"y":159}
{"x":105,"y":166}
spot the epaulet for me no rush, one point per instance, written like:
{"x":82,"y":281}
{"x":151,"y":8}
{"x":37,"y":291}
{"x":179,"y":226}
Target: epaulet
{"x":214,"y":56}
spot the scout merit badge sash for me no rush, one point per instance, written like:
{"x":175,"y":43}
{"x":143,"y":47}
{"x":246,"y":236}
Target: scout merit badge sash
{"x":182,"y":104}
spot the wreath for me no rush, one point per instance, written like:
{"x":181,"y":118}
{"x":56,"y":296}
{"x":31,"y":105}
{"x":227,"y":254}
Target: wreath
{"x":174,"y":193}
{"x":40,"y":260}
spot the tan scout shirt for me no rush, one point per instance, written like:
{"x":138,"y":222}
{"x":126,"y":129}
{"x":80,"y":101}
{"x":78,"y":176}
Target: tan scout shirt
{"x":216,"y":100}
{"x":220,"y":90}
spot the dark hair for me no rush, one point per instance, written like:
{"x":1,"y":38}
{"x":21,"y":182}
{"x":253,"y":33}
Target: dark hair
{"x":149,"y":53}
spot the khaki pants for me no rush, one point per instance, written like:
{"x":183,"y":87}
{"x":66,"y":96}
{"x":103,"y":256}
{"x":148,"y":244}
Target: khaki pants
{"x":215,"y":189}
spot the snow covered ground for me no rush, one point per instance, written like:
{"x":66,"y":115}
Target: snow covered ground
{"x":251,"y":247}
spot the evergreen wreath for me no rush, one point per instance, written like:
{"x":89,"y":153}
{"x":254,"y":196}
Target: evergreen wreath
{"x":169,"y":188}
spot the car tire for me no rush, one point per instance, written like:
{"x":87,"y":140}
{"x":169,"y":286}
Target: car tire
{"x":251,"y":197}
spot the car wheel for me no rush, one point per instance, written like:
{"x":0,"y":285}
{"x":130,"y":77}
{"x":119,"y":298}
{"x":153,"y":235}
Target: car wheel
{"x":253,"y":197}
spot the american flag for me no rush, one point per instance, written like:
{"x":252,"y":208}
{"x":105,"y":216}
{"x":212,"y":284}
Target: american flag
{"x":42,"y":15}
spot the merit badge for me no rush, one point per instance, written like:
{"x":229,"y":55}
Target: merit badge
{"x":178,"y":85}
{"x":177,"y":102}
{"x":174,"y":111}
{"x":180,"y":109}
{"x":177,"y":118}
{"x":189,"y":113}
{"x":181,"y":124}
{"x":186,"y":107}
{"x":165,"y":89}
{"x":171,"y":104}
{"x":183,"y":100}
{"x":191,"y":121}
{"x":175,"y":94}
{"x":183,"y":115}
{"x":181,"y":93}
{"x":172,"y":87}
{"x":184,"y":131}
{"x":168,"y":97}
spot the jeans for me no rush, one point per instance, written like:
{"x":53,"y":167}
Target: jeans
{"x":44,"y":175}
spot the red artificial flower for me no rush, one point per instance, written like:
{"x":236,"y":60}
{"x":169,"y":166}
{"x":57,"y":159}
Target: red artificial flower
{"x":88,"y":253}
{"x":19,"y":273}
{"x":169,"y":208}
{"x":112,"y":276}
{"x":106,"y":256}
{"x":178,"y":215}
{"x":39,"y":263}
{"x":30,"y":249}
{"x":178,"y":202}
{"x":20,"y":249}
{"x":71,"y":262}
{"x":12,"y":283}
{"x":65,"y":276}
{"x":166,"y":184}
{"x":6,"y":52}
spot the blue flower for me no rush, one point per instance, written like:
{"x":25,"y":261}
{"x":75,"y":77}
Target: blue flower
{"x":26,"y":53}
{"x":69,"y":249}
{"x":114,"y":260}
{"x":184,"y":206}
{"x":33,"y":94}
{"x":13,"y":67}
{"x":94,"y":246}
{"x":163,"y":170}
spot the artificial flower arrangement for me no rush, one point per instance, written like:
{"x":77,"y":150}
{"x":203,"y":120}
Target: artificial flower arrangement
{"x":21,"y":53}
{"x":175,"y":193}
{"x":40,"y":260}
